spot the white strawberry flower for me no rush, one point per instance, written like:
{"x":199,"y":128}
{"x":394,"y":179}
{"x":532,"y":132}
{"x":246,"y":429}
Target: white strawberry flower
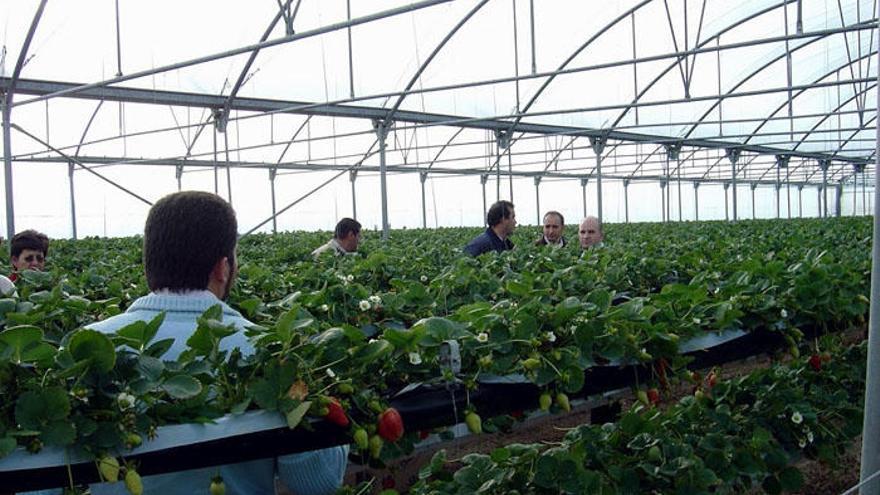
{"x":797,"y":418}
{"x":375,"y":299}
{"x":423,"y":279}
{"x":125,"y":401}
{"x":809,"y":436}
{"x":802,"y":443}
{"x":550,"y":336}
{"x":330,"y":373}
{"x":324,"y":308}
{"x":783,"y":313}
{"x":483,"y":337}
{"x":415,"y":358}
{"x":364,"y":305}
{"x":349,"y":278}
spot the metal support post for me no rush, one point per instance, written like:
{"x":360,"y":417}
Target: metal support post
{"x":483,"y":179}
{"x":178,"y":175}
{"x":733,"y":156}
{"x":423,"y":176}
{"x":352,"y":176}
{"x":272,"y":173}
{"x":696,"y":201}
{"x":70,"y":169}
{"x":857,"y":169}
{"x":6,"y":110}
{"x":823,"y":164}
{"x":788,"y":191}
{"x":219,"y":124}
{"x":871,"y":419}
{"x":7,"y":167}
{"x":778,"y":190}
{"x":663,"y":203}
{"x":538,"y":198}
{"x":502,"y":142}
{"x":382,"y":127}
{"x":838,"y":190}
{"x":584,"y":194}
{"x":678,"y":167}
{"x":672,"y":154}
{"x":598,"y":145}
{"x":625,"y":200}
{"x":819,"y":200}
{"x":726,"y":209}
{"x":801,"y":200}
{"x":754,"y":186}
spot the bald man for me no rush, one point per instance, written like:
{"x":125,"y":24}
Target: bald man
{"x":590,"y":233}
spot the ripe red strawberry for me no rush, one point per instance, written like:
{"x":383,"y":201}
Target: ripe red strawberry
{"x":816,"y":362}
{"x":711,"y":379}
{"x":388,"y":482}
{"x":653,"y":396}
{"x":335,"y":413}
{"x":390,"y":425}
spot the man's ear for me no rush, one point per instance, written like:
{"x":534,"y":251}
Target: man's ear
{"x":221,"y":271}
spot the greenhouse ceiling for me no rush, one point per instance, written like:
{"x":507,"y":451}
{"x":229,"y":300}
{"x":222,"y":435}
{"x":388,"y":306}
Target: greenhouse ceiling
{"x":751,"y":92}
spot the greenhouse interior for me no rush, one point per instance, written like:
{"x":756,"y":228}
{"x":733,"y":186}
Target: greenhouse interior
{"x":738,"y":194}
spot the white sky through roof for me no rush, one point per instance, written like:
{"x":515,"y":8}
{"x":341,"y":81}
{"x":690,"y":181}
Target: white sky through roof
{"x":75,"y":42}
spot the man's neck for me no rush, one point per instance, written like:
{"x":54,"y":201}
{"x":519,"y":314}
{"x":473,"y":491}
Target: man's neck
{"x":499,"y":231}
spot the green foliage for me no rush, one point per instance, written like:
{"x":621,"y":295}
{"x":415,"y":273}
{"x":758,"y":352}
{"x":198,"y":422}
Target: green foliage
{"x":359,"y":327}
{"x":745,"y":434}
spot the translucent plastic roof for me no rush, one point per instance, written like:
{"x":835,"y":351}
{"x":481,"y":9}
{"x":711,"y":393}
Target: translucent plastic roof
{"x":525,"y":88}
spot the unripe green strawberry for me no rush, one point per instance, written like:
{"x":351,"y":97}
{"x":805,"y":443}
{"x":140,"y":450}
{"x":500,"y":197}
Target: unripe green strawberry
{"x":361,"y":439}
{"x":794,"y":351}
{"x":109,"y":468}
{"x":133,"y":440}
{"x":655,"y":454}
{"x":133,"y":482}
{"x":345,"y":389}
{"x":643,"y":397}
{"x":218,"y":487}
{"x":562,"y":402}
{"x":376,"y":446}
{"x":545,"y":401}
{"x":474,"y":423}
{"x":531,"y":364}
{"x":376,"y":406}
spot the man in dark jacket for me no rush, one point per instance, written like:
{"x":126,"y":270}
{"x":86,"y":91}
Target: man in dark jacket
{"x":502,"y":221}
{"x":554,"y":225}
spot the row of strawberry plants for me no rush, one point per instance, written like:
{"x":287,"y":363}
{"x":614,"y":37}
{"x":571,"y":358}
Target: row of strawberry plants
{"x":351,"y":332}
{"x":732,"y":438}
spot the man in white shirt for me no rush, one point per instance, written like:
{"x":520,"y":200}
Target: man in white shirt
{"x":346,"y":238}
